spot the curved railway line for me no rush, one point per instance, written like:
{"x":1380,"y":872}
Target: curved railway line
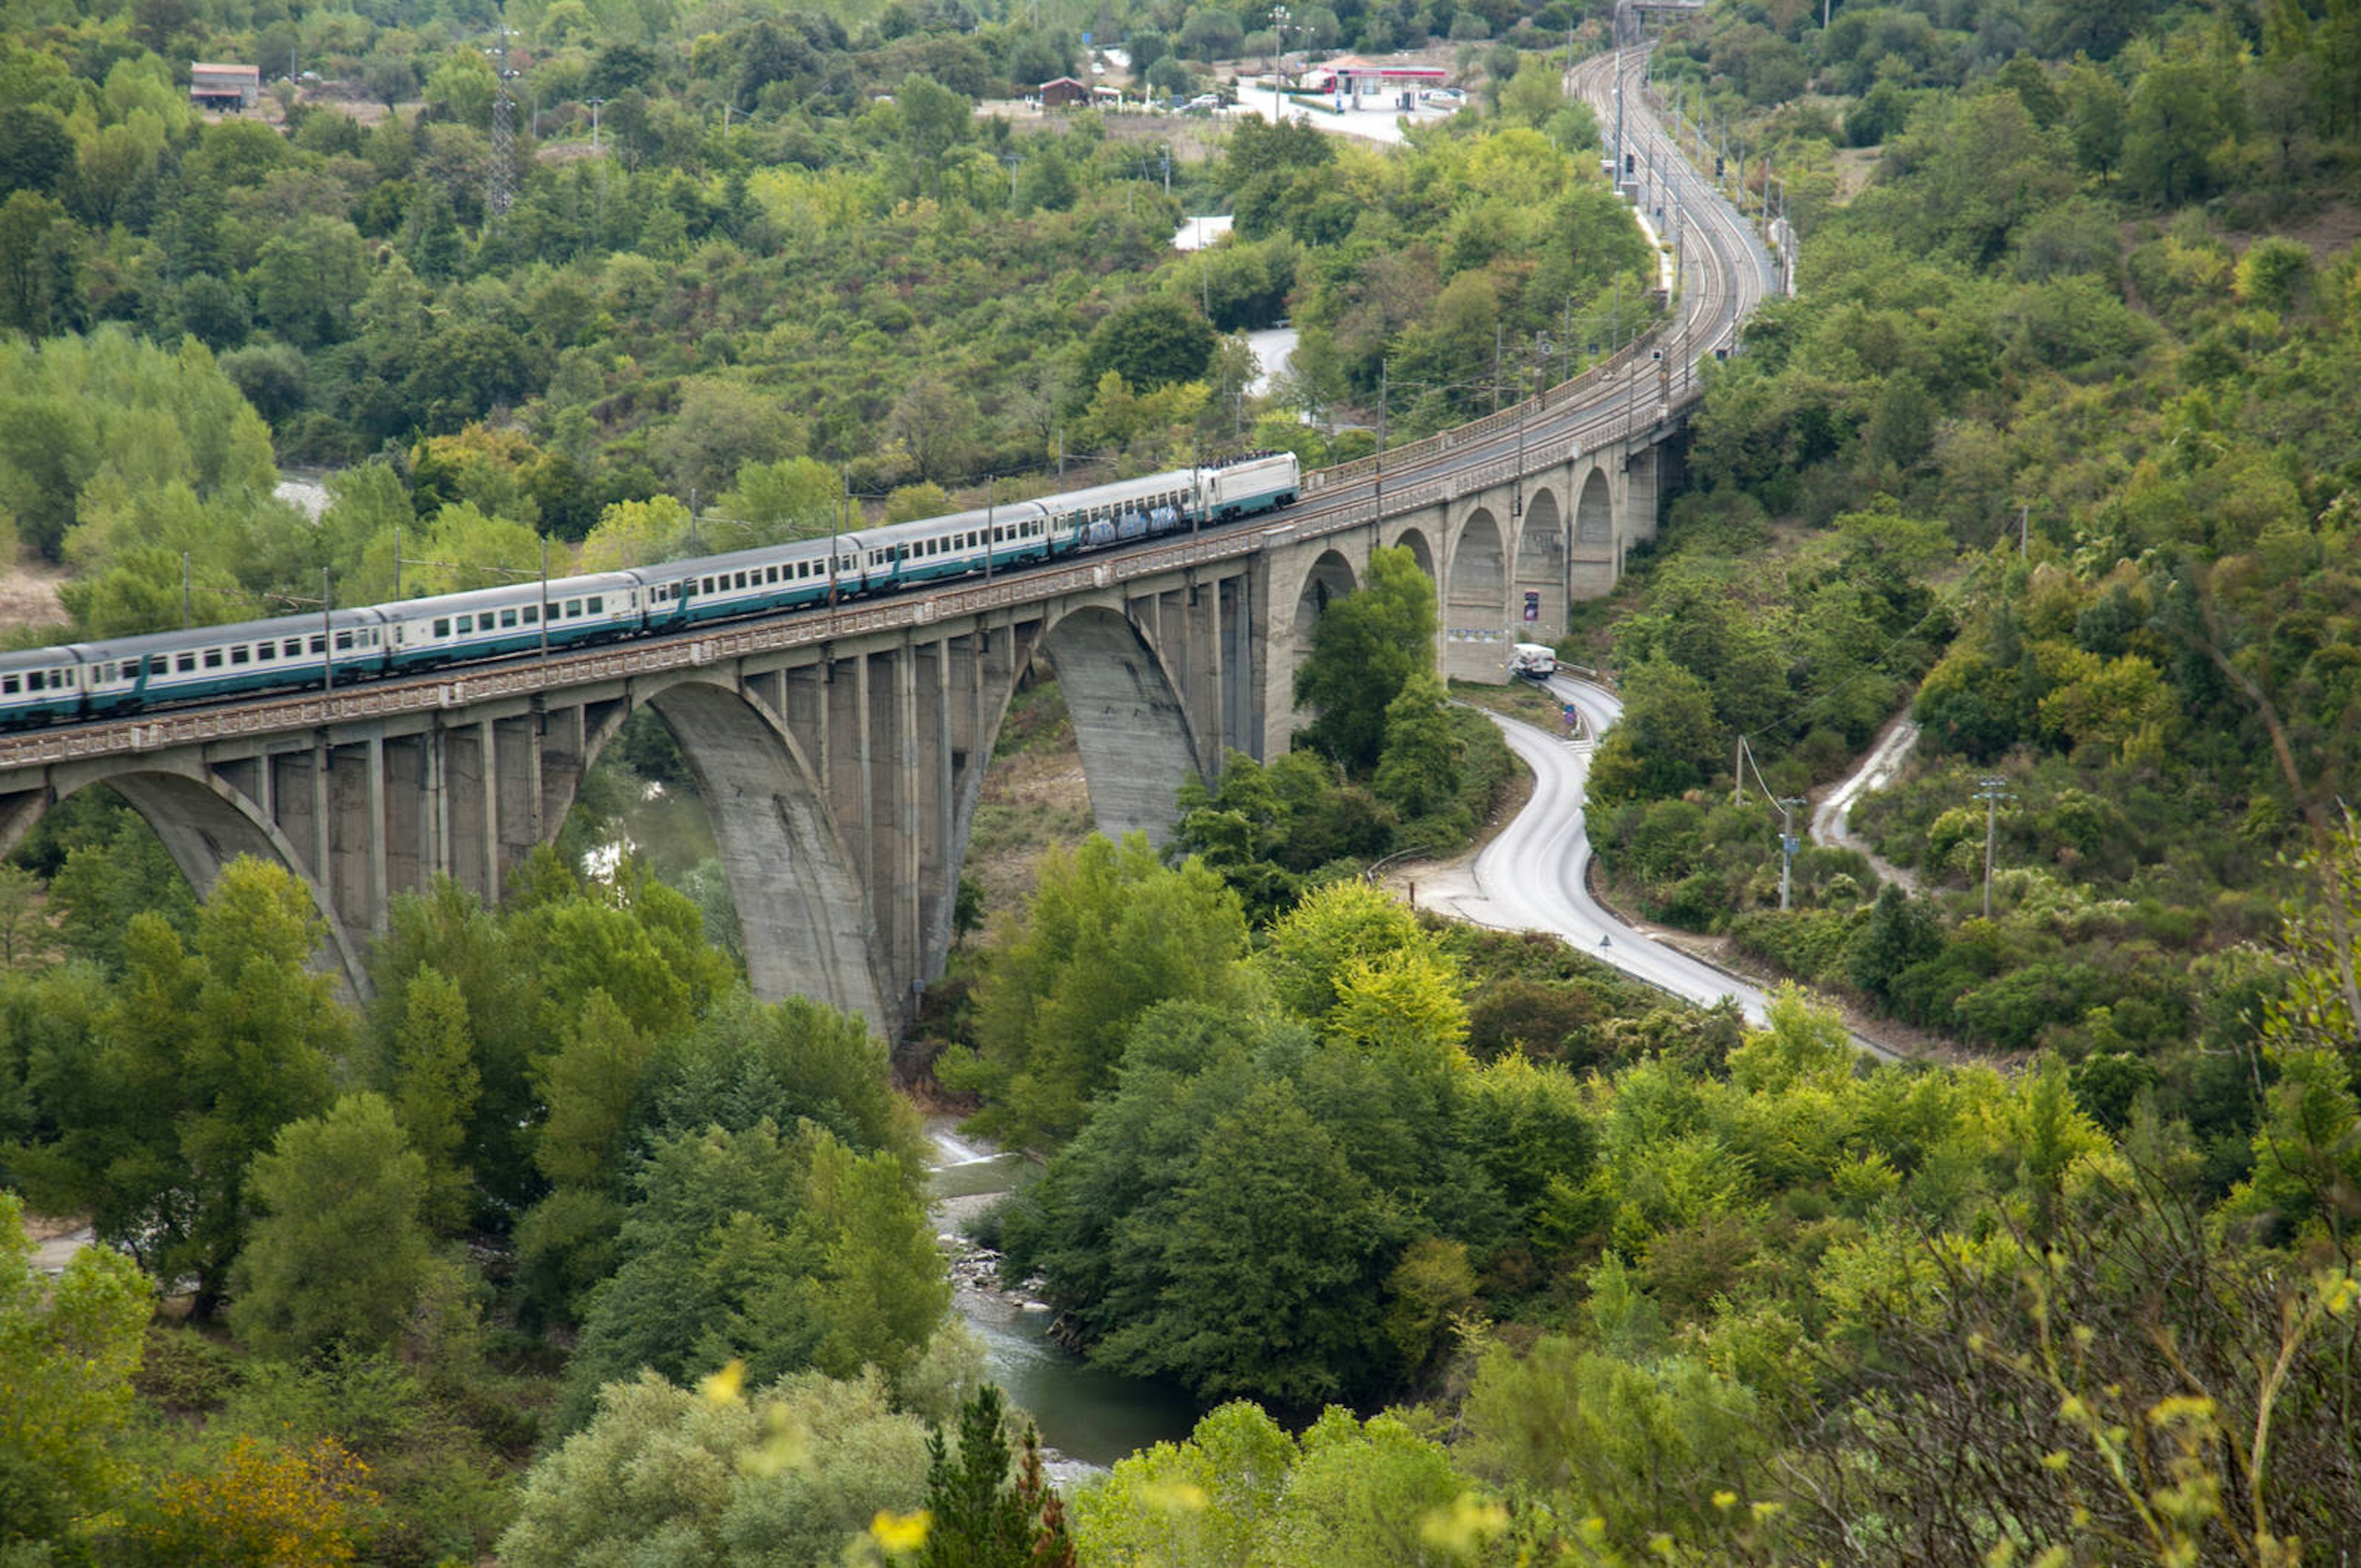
{"x":1725,"y":273}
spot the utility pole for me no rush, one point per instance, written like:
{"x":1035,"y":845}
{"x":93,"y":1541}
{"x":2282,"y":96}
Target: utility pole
{"x":2023,"y":530}
{"x":1279,"y":14}
{"x":596,"y":104}
{"x":1994,"y":791}
{"x":1788,"y":845}
{"x":1517,"y":486}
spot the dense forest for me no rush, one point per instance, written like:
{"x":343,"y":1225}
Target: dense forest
{"x":563,"y":1249}
{"x":2056,"y":448}
{"x":795,"y":273}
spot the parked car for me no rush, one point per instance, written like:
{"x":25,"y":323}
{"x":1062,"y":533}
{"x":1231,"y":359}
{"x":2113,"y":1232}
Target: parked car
{"x":1449,"y":97}
{"x":1204,"y":104}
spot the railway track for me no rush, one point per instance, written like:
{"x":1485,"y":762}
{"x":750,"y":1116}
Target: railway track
{"x":1725,"y":273}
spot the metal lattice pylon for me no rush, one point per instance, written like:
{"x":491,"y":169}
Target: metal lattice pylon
{"x":502,"y":194}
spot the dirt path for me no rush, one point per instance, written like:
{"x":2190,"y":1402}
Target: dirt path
{"x":1831,"y":823}
{"x":28,"y":596}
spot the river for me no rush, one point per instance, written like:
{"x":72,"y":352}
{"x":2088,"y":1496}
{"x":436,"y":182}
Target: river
{"x":1088,"y":1417}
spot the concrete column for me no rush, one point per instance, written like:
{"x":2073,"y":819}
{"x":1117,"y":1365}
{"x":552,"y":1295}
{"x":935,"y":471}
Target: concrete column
{"x":439,"y":764}
{"x":803,"y":903}
{"x":910,"y":779}
{"x":323,"y":860}
{"x":487,"y":749}
{"x":873,"y":732}
{"x":374,"y":790}
{"x":839,"y":764}
{"x":355,"y":832}
{"x":1639,"y":500}
{"x":937,"y":866}
{"x":534,"y":775}
{"x":1198,"y":630}
{"x":1240,"y":652}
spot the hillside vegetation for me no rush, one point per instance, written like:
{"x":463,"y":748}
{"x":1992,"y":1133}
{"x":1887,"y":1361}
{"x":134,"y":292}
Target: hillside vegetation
{"x":2056,"y":445}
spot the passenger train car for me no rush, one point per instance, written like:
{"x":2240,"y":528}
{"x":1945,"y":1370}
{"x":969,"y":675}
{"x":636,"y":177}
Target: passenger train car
{"x":45,"y":685}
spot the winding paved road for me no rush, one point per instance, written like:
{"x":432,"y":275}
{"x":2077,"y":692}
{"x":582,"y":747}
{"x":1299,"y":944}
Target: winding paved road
{"x":1533,"y":876}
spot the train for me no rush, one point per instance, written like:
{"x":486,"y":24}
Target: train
{"x":333,"y":647}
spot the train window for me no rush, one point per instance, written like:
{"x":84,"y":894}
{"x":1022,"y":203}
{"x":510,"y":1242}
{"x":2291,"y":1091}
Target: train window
{"x":265,"y":651}
{"x":212,"y":658}
{"x":596,"y":604}
{"x":319,"y":643}
{"x":186,"y":663}
{"x":508,"y":619}
{"x":442,"y":626}
{"x":705,"y":585}
{"x":572,"y":609}
{"x":158,"y":664}
{"x":9,"y":684}
{"x":467,"y":624}
{"x":343,"y":642}
{"x":292,"y":647}
{"x":532,"y":614}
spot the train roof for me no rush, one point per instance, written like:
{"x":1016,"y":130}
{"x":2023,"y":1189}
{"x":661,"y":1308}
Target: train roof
{"x":524,"y":591}
{"x":730,"y":561}
{"x":40,"y":658}
{"x":193,"y":637}
{"x":977,"y":517}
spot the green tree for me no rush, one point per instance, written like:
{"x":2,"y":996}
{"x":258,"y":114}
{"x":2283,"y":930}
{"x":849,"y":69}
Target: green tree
{"x":2171,"y":126}
{"x":795,"y":497}
{"x":1314,"y":946}
{"x":1276,"y":1255}
{"x":1111,"y":931}
{"x":337,"y":1255}
{"x":207,"y":1052}
{"x":663,"y":1475}
{"x":782,"y":1252}
{"x":308,"y":278}
{"x":68,"y":1350}
{"x":36,"y":150}
{"x":934,"y":120}
{"x":1668,"y":740}
{"x":1206,"y":1502}
{"x":979,"y":1515}
{"x":41,"y":267}
{"x":1151,"y":343}
{"x":1365,"y":649}
{"x":435,"y":1088}
{"x":1418,"y":769}
{"x":2094,"y":118}
{"x":1643,"y":1446}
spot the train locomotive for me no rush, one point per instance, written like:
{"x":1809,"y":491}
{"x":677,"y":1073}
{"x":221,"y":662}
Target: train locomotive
{"x":297,"y":653}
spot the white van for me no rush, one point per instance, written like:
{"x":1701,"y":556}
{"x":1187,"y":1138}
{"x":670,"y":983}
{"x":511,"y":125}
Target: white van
{"x":1535,"y":660}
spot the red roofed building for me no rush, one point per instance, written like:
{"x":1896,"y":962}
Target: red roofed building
{"x":1064,"y":93}
{"x":1351,"y":76}
{"x":230,"y":87}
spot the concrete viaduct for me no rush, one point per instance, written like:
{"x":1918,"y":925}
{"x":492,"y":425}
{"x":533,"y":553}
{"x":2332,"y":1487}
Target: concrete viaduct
{"x":840,"y":752}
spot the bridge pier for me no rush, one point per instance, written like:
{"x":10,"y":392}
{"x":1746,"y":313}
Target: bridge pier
{"x":840,"y":754}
